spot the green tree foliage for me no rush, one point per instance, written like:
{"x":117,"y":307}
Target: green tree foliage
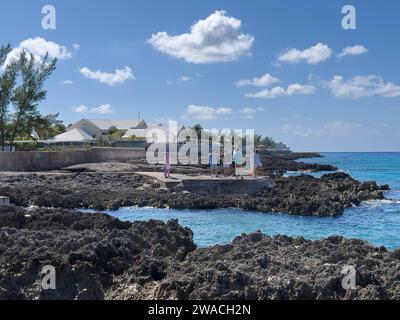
{"x":30,"y":92}
{"x":7,"y":83}
{"x":46,"y":127}
{"x":267,"y":142}
{"x":21,"y":87}
{"x":259,"y":140}
{"x":112,"y":133}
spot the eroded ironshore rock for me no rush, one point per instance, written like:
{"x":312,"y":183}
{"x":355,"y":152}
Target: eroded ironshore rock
{"x":99,"y":257}
{"x":300,"y":195}
{"x":114,"y":185}
{"x":88,"y":252}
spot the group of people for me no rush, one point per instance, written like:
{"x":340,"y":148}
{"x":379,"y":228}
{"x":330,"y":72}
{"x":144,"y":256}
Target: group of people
{"x":232,"y":166}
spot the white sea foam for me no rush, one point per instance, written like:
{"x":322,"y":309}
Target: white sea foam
{"x":377,"y":203}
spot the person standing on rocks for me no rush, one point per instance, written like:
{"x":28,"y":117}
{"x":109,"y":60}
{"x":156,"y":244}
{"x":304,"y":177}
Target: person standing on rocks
{"x":213,"y":162}
{"x":257,"y":163}
{"x":167,"y":166}
{"x":226,"y":164}
{"x":238,"y":159}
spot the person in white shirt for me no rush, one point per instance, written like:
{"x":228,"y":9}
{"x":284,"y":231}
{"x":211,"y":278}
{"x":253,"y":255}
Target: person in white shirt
{"x":213,"y":162}
{"x":238,"y":159}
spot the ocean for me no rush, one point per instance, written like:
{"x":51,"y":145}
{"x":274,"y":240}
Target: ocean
{"x":377,"y":222}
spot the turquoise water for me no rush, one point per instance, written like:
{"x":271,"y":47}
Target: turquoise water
{"x":378,"y":222}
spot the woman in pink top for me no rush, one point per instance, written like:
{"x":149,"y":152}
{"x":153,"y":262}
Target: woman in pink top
{"x":167,"y":166}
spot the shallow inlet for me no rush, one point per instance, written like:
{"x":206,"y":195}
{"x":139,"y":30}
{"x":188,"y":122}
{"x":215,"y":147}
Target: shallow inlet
{"x":377,"y":222}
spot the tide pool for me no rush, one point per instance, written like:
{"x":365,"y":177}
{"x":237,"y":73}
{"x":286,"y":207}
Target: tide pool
{"x":377,"y":222}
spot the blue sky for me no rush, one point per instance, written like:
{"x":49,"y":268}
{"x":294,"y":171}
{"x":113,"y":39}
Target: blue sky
{"x":298,"y":85}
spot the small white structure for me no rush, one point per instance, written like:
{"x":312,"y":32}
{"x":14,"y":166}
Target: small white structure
{"x":280,"y":146}
{"x":73,"y":135}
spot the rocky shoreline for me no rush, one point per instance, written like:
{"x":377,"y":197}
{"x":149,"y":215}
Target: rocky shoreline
{"x":99,"y":257}
{"x":114,"y":185}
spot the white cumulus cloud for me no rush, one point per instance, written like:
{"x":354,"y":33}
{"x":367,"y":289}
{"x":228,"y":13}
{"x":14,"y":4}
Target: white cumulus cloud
{"x":222,"y":111}
{"x":275,"y":92}
{"x":353,"y":51}
{"x":81,"y":109}
{"x":214,"y":39}
{"x":181,"y":79}
{"x":119,"y":76}
{"x":263,"y":81}
{"x":362,"y":86}
{"x":185,"y":78}
{"x":67,"y":82}
{"x":39,"y":47}
{"x":313,"y":55}
{"x":250,"y":112}
{"x":102,"y":109}
{"x":205,"y":113}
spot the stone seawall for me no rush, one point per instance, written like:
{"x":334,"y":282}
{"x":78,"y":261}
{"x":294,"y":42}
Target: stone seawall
{"x":227,"y":186}
{"x":43,"y":161}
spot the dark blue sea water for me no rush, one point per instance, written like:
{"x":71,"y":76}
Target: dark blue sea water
{"x":378,"y":222}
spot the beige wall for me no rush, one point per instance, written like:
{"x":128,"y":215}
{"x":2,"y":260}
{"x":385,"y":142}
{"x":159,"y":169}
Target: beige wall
{"x":42,"y":161}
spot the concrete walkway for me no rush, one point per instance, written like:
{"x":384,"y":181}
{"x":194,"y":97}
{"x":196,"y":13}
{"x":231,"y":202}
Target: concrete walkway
{"x":206,"y":183}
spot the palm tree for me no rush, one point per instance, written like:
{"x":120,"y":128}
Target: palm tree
{"x":198,"y":128}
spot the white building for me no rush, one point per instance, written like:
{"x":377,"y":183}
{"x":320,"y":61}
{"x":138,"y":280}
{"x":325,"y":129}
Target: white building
{"x":91,"y":130}
{"x":99,"y":128}
{"x":280,"y":146}
{"x":73,"y":135}
{"x":157,"y":133}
